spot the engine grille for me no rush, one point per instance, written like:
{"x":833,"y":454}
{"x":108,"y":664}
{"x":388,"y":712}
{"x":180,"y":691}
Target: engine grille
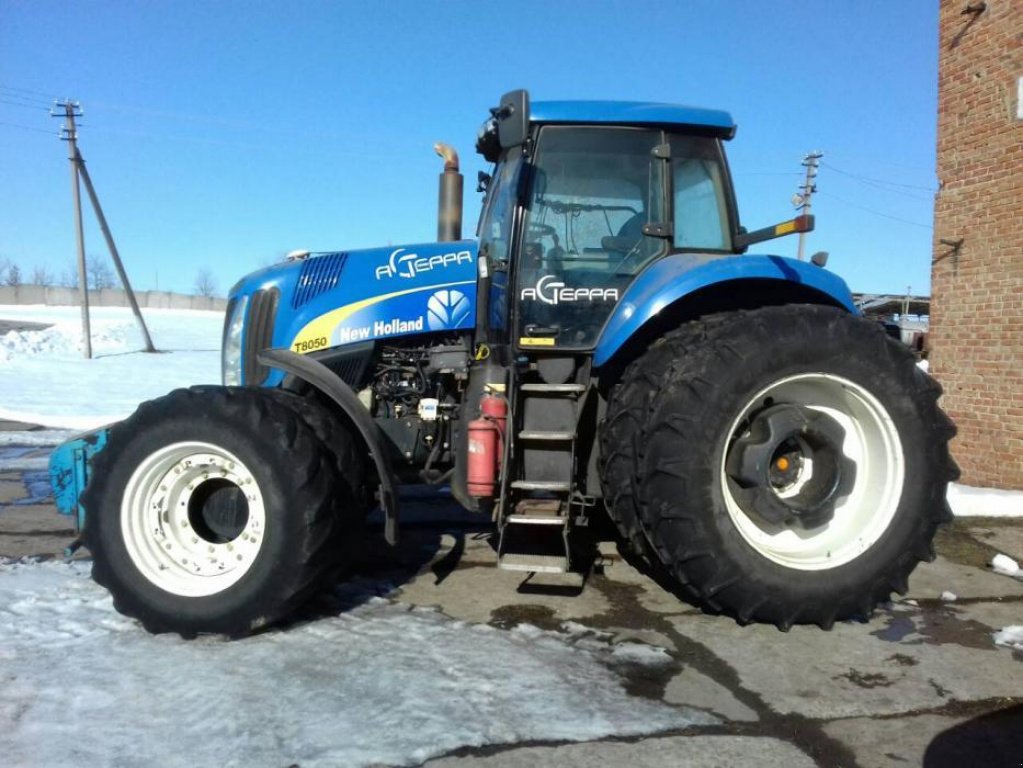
{"x":319,"y":274}
{"x":259,"y":333}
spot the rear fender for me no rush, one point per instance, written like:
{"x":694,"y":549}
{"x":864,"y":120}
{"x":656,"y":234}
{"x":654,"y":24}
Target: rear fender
{"x":674,"y":277}
{"x":316,"y":374}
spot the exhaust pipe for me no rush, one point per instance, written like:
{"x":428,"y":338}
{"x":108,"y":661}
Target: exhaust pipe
{"x":449,"y":208}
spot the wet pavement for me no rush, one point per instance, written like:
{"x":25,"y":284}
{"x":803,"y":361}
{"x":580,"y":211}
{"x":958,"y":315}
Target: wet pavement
{"x":921,"y":683}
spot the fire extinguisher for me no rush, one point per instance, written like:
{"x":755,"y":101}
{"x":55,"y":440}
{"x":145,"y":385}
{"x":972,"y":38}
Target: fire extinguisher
{"x":486,"y":446}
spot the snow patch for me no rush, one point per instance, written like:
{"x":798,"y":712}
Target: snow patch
{"x":378,"y":684}
{"x":642,"y":654}
{"x":949,"y":597}
{"x":1010,"y":636}
{"x":45,"y":380}
{"x":967,"y":501}
{"x":1005,"y":565}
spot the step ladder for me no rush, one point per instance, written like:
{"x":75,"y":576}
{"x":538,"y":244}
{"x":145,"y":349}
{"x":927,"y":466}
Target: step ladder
{"x":535,"y":528}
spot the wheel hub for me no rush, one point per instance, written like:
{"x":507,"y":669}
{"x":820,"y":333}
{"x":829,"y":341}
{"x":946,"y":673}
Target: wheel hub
{"x":218,"y":511}
{"x":788,"y":467}
{"x":193,"y":518}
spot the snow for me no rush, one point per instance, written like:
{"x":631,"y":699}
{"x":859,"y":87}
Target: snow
{"x":642,"y":654}
{"x":37,"y":437}
{"x":24,"y":463}
{"x":1006,"y":565}
{"x":1010,"y":636}
{"x":949,"y":597}
{"x":377,"y":684}
{"x":45,"y":380}
{"x":984,"y":502}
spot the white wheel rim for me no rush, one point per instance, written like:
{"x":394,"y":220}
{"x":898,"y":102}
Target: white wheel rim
{"x":158,"y":520}
{"x":860,"y":518}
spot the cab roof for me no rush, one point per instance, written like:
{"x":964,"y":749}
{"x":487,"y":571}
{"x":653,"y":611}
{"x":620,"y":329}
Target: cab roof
{"x":711,"y":121}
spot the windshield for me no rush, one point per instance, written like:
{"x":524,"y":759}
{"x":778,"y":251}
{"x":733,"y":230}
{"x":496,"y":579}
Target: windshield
{"x":593,"y":190}
{"x":497,"y":218}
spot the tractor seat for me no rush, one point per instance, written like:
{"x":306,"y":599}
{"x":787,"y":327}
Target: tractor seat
{"x":629,"y":235}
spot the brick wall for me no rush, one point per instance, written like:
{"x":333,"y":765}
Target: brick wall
{"x":977,"y":289}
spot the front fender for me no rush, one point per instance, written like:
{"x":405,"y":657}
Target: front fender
{"x":678,"y":275}
{"x":320,"y":377}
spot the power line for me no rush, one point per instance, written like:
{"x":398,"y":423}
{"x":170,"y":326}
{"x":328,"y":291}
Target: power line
{"x":877,"y":213}
{"x":886,"y":162}
{"x":4,"y":100}
{"x":768,"y":173}
{"x":28,"y":128}
{"x":47,"y":96}
{"x":877,"y":182}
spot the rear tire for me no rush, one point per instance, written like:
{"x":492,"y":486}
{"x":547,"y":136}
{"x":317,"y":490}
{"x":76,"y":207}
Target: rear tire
{"x":866,"y":473}
{"x":620,"y":433}
{"x":210,"y":510}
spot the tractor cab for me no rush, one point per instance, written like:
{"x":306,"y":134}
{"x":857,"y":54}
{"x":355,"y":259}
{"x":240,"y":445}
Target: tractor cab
{"x":586,"y":203}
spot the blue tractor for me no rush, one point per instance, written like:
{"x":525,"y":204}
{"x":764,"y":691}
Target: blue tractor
{"x":606,"y":343}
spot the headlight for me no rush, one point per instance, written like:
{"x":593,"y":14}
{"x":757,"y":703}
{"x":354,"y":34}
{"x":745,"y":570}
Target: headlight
{"x":231,"y":352}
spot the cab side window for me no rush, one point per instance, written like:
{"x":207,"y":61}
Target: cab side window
{"x":700,"y":208}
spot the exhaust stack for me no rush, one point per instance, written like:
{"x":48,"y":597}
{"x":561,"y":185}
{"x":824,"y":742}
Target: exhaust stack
{"x":449,"y":207}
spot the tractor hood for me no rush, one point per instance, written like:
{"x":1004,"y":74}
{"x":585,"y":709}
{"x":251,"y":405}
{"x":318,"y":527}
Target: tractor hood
{"x":332,"y":299}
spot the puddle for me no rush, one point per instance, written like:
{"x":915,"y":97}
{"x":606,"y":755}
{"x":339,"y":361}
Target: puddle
{"x":510,"y":616}
{"x":939,"y":624}
{"x":36,"y":481}
{"x":865,"y":679}
{"x":39,"y":489}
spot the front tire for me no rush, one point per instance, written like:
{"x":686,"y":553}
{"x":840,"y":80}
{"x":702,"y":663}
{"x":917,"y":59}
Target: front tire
{"x":209,"y":510}
{"x":794,"y":464}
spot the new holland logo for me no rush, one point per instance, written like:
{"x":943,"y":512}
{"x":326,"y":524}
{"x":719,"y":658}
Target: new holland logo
{"x":403,"y":264}
{"x":550,"y":290}
{"x":446,"y":309}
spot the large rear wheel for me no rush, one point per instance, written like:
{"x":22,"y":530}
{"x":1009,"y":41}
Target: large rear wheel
{"x":211,"y":510}
{"x":794,"y":464}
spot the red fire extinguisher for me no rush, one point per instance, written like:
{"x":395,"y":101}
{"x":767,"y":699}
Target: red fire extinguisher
{"x":486,"y":446}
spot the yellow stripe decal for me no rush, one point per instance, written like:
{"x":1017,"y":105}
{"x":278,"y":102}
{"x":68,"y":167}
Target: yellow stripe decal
{"x":785,"y":228}
{"x":536,"y":341}
{"x":324,"y":325}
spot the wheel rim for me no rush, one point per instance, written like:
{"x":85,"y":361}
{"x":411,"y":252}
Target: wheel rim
{"x":867,"y":505}
{"x":193,"y":519}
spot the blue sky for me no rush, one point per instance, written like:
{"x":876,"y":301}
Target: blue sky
{"x":224,"y":134}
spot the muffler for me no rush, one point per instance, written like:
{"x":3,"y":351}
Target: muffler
{"x":449,"y":207}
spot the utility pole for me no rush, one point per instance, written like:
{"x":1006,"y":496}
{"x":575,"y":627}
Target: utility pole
{"x":69,"y":134}
{"x":113,"y":251}
{"x":79,"y":171}
{"x":802,"y":198}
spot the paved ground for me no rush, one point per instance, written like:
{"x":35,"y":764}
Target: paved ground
{"x":922,"y":683}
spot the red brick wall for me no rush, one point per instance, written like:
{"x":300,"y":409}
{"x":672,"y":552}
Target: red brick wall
{"x":977,"y":293}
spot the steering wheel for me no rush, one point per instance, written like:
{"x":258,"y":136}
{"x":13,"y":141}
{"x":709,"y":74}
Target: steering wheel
{"x":537,"y":230}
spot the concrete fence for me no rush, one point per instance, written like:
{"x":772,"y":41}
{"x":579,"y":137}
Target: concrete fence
{"x":106,"y":297}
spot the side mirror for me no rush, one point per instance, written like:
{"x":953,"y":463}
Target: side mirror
{"x":512,"y":118}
